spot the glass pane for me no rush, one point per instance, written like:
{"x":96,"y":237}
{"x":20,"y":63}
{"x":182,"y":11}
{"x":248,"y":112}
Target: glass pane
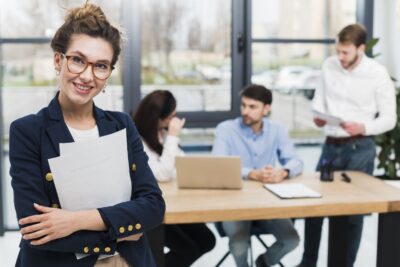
{"x":292,"y":71}
{"x":186,"y":49}
{"x":41,"y":18}
{"x":301,"y":18}
{"x":29,"y":83}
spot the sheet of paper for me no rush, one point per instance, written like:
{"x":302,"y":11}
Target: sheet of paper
{"x":93,"y":176}
{"x":75,"y":147}
{"x":394,"y":183}
{"x":330,"y":120}
{"x":292,"y":191}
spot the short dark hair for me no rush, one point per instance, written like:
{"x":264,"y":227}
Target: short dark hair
{"x":257,"y":92}
{"x":157,"y":105}
{"x":354,"y":34}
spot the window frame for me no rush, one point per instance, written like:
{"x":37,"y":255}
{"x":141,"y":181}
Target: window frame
{"x":194,"y":119}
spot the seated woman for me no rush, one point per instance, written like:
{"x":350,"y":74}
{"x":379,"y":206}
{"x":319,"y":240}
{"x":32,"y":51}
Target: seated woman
{"x":159,"y":128}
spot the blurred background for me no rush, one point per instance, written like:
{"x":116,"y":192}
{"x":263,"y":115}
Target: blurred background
{"x":203,"y":51}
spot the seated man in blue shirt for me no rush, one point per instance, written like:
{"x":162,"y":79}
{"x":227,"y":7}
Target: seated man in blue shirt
{"x":259,"y":143}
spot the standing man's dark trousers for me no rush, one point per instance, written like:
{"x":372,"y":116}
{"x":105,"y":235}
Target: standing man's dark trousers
{"x":356,"y":154}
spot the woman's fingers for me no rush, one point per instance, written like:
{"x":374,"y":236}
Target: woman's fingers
{"x":32,"y":228}
{"x":36,"y":218}
{"x":42,"y":209}
{"x":31,"y":219}
{"x":36,"y":235}
{"x":43,"y":240}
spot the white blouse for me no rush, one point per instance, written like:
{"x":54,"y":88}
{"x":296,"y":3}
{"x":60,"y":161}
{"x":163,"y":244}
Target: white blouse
{"x":163,"y":166}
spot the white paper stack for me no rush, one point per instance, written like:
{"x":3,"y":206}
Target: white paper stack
{"x":292,"y":191}
{"x":92,"y":174}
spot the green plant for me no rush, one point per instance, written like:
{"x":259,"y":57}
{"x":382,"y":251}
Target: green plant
{"x":389,"y":142}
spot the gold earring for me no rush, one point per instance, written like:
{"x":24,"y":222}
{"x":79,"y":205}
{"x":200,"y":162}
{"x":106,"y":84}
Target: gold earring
{"x":57,"y":72}
{"x":104,"y":88}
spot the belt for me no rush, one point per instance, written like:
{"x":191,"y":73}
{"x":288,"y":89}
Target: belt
{"x":343,"y":140}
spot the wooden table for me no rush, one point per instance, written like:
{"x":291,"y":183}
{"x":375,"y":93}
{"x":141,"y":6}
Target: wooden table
{"x":365,"y":194}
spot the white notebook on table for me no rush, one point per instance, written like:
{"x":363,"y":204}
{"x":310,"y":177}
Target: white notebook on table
{"x":296,"y":190}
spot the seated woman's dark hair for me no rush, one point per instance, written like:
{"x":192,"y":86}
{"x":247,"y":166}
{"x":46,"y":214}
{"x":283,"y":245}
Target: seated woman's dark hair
{"x":156,"y":106}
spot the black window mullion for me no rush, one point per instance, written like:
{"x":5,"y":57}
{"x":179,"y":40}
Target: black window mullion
{"x":365,"y":15}
{"x":2,"y":185}
{"x":131,"y":54}
{"x":39,"y":40}
{"x":287,"y":40}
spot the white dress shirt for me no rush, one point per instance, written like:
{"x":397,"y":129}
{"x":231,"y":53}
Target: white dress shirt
{"x":356,"y":96}
{"x":163,"y":166}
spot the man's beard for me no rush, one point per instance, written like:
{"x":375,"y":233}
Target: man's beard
{"x":351,"y":63}
{"x":248,"y":121}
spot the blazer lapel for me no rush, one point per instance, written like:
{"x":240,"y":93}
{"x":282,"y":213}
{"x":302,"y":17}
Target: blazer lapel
{"x":58,"y":133}
{"x":57,"y":129}
{"x":104,"y":125}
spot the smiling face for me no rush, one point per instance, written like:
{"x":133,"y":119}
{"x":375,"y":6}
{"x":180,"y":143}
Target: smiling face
{"x":80,"y":89}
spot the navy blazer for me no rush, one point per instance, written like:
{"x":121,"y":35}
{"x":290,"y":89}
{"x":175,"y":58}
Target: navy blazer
{"x":36,"y":138}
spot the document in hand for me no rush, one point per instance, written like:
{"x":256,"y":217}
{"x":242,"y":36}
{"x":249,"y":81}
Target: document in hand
{"x":92,"y":174}
{"x":330,"y":120}
{"x":292,"y":191}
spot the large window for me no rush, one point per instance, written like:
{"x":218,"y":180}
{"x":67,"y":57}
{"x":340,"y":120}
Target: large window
{"x":290,"y":40}
{"x":186,"y":48}
{"x":41,"y":18}
{"x":301,"y":19}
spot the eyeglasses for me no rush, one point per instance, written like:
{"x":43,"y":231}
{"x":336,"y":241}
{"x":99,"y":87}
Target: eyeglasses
{"x":78,"y":65}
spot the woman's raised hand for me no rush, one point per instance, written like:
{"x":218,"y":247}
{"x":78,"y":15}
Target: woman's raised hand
{"x":175,"y":126}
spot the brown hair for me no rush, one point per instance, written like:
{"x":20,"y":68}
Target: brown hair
{"x":157,"y":105}
{"x":354,"y":34}
{"x":257,"y":92}
{"x":87,"y":19}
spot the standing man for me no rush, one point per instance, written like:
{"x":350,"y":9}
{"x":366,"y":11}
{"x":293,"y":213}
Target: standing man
{"x":259,"y":143}
{"x":359,"y":91}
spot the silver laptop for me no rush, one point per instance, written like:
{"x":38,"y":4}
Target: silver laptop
{"x":209,"y":172}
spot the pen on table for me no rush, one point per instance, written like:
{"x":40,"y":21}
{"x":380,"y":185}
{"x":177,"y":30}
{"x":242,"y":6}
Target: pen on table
{"x":345,"y":177}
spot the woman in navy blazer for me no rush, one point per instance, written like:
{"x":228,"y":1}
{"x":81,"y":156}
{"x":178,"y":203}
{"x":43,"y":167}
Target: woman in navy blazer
{"x":86,"y":48}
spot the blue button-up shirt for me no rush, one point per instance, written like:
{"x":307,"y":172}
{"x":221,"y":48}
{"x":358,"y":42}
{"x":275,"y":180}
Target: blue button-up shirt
{"x":257,"y":150}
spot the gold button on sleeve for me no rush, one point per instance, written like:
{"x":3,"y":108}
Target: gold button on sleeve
{"x":55,"y":205}
{"x":49,"y":177}
{"x":122,"y":229}
{"x":107,"y":249}
{"x":133,"y":167}
{"x":130,"y":228}
{"x":96,"y":250}
{"x":86,"y":250}
{"x":138,"y":226}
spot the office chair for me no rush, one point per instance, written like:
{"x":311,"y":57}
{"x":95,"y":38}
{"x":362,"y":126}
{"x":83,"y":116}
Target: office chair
{"x":255,"y":231}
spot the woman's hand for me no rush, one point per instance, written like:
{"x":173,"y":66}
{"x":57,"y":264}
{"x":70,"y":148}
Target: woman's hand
{"x":134,"y":237}
{"x":50,"y":225}
{"x":175,"y":126}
